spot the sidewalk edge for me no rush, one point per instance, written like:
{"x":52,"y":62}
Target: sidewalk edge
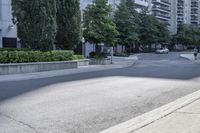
{"x":185,"y":57}
{"x":150,"y":117}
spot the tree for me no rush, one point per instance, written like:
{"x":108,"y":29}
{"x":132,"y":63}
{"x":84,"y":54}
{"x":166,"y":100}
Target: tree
{"x":98,"y":25}
{"x":184,"y":34}
{"x":68,"y":21}
{"x":125,"y":19}
{"x":163,"y":32}
{"x":152,"y":30}
{"x":148,"y":29}
{"x":36,"y":23}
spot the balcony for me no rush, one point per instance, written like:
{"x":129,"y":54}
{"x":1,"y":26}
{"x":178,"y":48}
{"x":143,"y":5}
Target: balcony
{"x":160,"y":9}
{"x":162,"y":2}
{"x":141,"y":3}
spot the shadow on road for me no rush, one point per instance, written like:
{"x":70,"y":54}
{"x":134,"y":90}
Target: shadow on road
{"x":162,"y":70}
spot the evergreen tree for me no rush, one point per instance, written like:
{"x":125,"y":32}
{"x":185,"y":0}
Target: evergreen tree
{"x":36,"y":22}
{"x":98,"y":25}
{"x":68,"y":21}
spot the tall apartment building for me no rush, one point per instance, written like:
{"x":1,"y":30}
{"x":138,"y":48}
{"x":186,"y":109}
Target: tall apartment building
{"x":195,"y":12}
{"x":176,"y":12}
{"x":8,"y":31}
{"x":165,"y":11}
{"x":183,"y":12}
{"x":161,"y":9}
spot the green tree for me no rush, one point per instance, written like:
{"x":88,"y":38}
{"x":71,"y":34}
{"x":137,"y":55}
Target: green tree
{"x":126,"y":22}
{"x":184,"y":34}
{"x":152,"y":30}
{"x":148,"y":29}
{"x":98,"y":25}
{"x":163,"y":32}
{"x":36,"y":22}
{"x":68,"y":21}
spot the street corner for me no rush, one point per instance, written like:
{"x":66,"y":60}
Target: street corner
{"x":157,"y":120}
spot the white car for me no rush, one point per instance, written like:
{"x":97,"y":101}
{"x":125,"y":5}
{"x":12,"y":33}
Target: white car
{"x":162,"y":51}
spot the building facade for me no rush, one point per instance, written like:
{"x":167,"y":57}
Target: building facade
{"x":8,"y":31}
{"x":195,"y":12}
{"x":176,"y":12}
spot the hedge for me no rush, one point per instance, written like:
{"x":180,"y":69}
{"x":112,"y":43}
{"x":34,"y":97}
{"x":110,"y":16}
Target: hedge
{"x":36,"y":56}
{"x":15,"y":49}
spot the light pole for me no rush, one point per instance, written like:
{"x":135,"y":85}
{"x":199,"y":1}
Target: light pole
{"x":83,"y":46}
{"x":111,"y":54}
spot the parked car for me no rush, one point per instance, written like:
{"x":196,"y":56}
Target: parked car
{"x":162,"y":51}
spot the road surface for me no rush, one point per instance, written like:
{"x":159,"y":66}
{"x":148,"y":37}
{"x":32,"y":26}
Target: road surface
{"x":93,"y":101}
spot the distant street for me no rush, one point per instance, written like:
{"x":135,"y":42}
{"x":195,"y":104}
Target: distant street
{"x":93,"y":101}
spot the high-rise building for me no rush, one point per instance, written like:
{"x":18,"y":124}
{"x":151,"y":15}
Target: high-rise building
{"x":195,"y":12}
{"x":183,"y":12}
{"x":8,"y":31}
{"x":165,"y":11}
{"x":176,"y":12}
{"x":161,"y":9}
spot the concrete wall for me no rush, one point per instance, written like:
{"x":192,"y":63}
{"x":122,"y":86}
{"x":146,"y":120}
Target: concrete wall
{"x":7,"y":28}
{"x":18,"y":68}
{"x":106,"y":61}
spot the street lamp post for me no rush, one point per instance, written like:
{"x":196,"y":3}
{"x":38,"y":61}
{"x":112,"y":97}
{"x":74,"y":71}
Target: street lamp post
{"x":83,"y":46}
{"x":111,"y":54}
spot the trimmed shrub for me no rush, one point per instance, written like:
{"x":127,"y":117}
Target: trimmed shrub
{"x":37,"y":56}
{"x":78,"y":57}
{"x":15,"y":49}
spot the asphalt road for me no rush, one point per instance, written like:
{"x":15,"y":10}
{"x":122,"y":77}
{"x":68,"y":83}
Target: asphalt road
{"x":93,"y":101}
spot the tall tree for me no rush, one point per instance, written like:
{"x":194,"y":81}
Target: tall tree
{"x":98,"y":25}
{"x":36,"y":22}
{"x":68,"y":21}
{"x":126,"y":19}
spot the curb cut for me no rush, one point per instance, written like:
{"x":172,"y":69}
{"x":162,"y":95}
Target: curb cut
{"x":150,"y":117}
{"x":185,"y":57}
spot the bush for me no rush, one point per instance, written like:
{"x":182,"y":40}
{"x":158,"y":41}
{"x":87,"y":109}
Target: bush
{"x":36,"y":56}
{"x":98,"y":55}
{"x":78,"y":57}
{"x":15,"y":49}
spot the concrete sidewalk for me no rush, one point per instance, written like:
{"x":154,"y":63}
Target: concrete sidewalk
{"x":181,"y":116}
{"x":184,"y":120}
{"x":119,"y":62}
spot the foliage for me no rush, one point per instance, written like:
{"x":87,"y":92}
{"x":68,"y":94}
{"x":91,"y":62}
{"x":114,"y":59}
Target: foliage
{"x":125,"y":19}
{"x":98,"y":55}
{"x":188,"y":35}
{"x":98,"y":25}
{"x":78,"y":57}
{"x":36,"y":56}
{"x":15,"y":49}
{"x":68,"y":21}
{"x":36,"y":23}
{"x":152,"y":30}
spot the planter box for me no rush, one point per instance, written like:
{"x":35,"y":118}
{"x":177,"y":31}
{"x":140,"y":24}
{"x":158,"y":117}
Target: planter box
{"x":105,"y":61}
{"x":84,"y":62}
{"x":18,"y":68}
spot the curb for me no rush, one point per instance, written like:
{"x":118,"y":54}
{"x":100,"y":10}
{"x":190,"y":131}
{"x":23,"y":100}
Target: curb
{"x":150,"y":117}
{"x":185,"y":57}
{"x":40,"y":75}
